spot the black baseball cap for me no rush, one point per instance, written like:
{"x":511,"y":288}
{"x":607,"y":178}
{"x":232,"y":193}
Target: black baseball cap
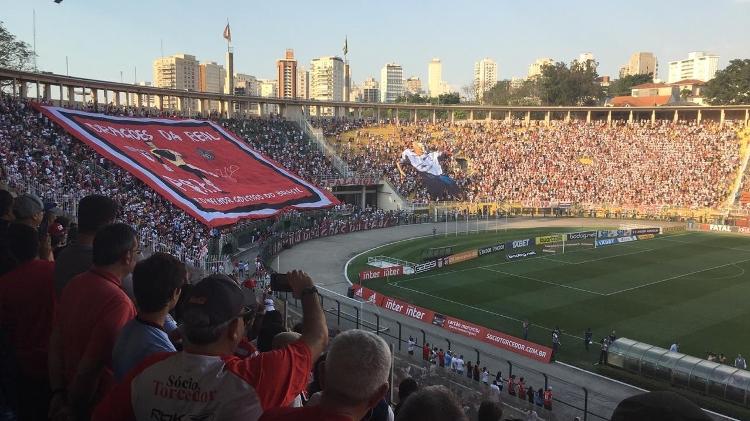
{"x":213,"y":301}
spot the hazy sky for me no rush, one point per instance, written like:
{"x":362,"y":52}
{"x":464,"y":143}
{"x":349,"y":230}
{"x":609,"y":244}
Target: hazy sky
{"x":104,"y":37}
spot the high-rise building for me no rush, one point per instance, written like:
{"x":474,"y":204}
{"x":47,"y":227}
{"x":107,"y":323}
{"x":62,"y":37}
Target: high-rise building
{"x":535,"y":69}
{"x":286,"y":75}
{"x":485,"y":77}
{"x":624,"y":71}
{"x":414,"y":85}
{"x":699,"y":66}
{"x":356,"y":93}
{"x":246,"y":85}
{"x":587,"y":59}
{"x":391,"y":82}
{"x":327,"y":78}
{"x":303,"y":83}
{"x":269,"y":88}
{"x":435,"y":83}
{"x":370,"y":91}
{"x":211,"y":77}
{"x":147,"y":100}
{"x":642,"y":63}
{"x":180,"y":71}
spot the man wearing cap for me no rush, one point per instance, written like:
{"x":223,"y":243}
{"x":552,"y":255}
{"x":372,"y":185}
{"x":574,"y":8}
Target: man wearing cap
{"x":204,"y":380}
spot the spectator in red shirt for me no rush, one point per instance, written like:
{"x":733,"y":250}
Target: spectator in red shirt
{"x":205,"y":381}
{"x":27,"y":306}
{"x":355,"y":379}
{"x":92,"y":311}
{"x":426,"y":352}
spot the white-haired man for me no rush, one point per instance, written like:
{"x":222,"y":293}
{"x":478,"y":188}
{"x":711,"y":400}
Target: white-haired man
{"x":354,"y":380}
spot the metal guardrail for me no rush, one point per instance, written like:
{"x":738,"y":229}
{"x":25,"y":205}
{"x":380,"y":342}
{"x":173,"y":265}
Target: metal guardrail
{"x":346,"y":313}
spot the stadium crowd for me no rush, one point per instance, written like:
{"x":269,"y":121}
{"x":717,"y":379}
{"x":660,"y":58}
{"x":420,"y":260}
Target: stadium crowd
{"x":76,"y":345}
{"x":641,"y":164}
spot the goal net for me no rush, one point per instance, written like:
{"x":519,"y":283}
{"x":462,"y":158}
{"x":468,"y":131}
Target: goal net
{"x":579,"y":240}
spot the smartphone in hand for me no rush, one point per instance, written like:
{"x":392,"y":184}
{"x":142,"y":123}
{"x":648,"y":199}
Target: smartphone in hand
{"x":280,"y":282}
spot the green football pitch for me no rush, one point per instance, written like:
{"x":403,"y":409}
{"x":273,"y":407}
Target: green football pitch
{"x":689,"y":287}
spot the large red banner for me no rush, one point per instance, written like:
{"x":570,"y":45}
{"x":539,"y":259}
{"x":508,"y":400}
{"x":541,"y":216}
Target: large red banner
{"x":458,"y":326}
{"x":197,"y":165}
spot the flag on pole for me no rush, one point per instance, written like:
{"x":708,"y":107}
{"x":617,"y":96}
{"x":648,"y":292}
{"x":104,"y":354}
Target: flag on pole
{"x":227,"y":33}
{"x":346,"y":46}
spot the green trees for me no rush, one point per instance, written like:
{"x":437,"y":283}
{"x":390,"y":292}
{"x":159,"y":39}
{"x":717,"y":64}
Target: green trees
{"x":559,"y":84}
{"x":731,"y":85}
{"x":622,"y":86}
{"x":14,"y":53}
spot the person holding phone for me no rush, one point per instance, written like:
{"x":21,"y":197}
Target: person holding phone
{"x":205,"y":379}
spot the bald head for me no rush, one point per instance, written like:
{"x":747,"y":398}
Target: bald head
{"x":283,"y":339}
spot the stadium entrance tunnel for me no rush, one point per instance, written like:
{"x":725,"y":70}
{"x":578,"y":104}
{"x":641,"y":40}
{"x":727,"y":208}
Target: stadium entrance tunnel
{"x":706,"y":377}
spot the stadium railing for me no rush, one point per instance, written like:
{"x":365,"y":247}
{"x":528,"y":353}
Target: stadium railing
{"x":346,"y":313}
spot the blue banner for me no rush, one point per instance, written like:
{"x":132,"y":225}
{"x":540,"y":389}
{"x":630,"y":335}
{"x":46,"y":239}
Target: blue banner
{"x":519,"y":244}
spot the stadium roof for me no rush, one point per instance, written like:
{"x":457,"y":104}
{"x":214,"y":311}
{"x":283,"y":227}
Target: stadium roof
{"x":689,"y":82}
{"x":643,"y":101}
{"x":651,"y":85}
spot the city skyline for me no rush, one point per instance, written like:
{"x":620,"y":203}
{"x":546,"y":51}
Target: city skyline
{"x":370,"y":45}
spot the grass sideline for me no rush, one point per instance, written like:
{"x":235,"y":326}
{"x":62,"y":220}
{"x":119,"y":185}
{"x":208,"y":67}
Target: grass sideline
{"x":688,"y":287}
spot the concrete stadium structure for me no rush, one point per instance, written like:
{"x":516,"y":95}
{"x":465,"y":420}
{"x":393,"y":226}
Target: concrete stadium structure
{"x":67,"y":91}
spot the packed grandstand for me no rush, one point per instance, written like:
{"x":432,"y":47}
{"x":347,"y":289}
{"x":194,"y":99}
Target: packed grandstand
{"x":639,"y":165}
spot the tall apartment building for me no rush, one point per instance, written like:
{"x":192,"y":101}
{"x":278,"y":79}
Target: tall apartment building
{"x":642,"y":63}
{"x":269,"y":88}
{"x":327,"y":78}
{"x":180,"y":71}
{"x":485,"y":76}
{"x":286,"y":75}
{"x":391,"y":82}
{"x":246,"y":85}
{"x":211,"y":78}
{"x":303,"y":83}
{"x":147,"y":100}
{"x":699,"y":66}
{"x":414,"y":85}
{"x":535,"y":69}
{"x":435,"y":84}
{"x":370,"y":90}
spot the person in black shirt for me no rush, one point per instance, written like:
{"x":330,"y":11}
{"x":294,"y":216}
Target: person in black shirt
{"x":587,"y":338}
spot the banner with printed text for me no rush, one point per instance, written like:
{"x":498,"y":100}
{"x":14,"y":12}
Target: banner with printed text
{"x":197,"y":165}
{"x":470,"y":330}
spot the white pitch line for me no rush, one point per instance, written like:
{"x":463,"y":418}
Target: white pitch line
{"x":707,"y":245}
{"x":432,"y":275}
{"x":545,"y":282}
{"x":676,"y":277}
{"x":613,"y":256}
{"x":427,"y":294}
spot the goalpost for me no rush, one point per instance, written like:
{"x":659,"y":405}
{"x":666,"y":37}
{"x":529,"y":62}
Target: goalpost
{"x":561,"y":243}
